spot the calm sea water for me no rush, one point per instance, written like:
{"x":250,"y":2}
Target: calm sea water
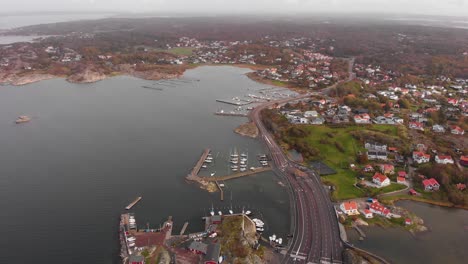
{"x":445,"y":242}
{"x":14,"y":21}
{"x":90,"y":149}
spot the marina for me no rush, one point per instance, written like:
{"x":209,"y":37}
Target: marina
{"x":133,"y":161}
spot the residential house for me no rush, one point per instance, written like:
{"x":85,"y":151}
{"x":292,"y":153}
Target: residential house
{"x":461,"y":186}
{"x":377,"y":155}
{"x":464,"y":161}
{"x":416,"y":125}
{"x":408,"y":221}
{"x":438,"y":129}
{"x":317,"y":121}
{"x":362,"y":119}
{"x":367,"y":213}
{"x":387,"y":168}
{"x":401,"y":180}
{"x":349,"y":208}
{"x":421,"y":157}
{"x":379,"y":209}
{"x":380,"y":180}
{"x":402,"y":174}
{"x":375,"y":146}
{"x":456,"y":130}
{"x":431,"y":184}
{"x":444,"y":159}
{"x":309,"y":114}
{"x":368,"y":168}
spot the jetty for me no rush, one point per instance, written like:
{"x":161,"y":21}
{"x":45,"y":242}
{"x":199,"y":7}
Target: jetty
{"x":183,"y":228}
{"x":231,"y":114}
{"x":236,"y":175}
{"x":234,"y":102}
{"x":221,"y":191}
{"x":133,"y":203}
{"x":193,"y":175}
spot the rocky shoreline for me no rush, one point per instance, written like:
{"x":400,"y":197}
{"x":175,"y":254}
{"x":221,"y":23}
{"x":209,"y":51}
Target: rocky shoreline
{"x":88,"y":75}
{"x":247,"y":130}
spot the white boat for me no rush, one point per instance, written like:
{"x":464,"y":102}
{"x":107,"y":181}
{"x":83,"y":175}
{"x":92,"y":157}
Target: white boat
{"x":231,"y":212}
{"x":243,"y":155}
{"x":273,"y":236}
{"x":220,"y":260}
{"x":212,"y":211}
{"x":280,"y":241}
{"x":208,"y":161}
{"x":243,"y":169}
{"x":131,"y":244}
{"x":220,"y":213}
{"x":204,"y":166}
{"x":260,"y":229}
{"x":221,"y":185}
{"x":213,"y":173}
{"x":243,"y":166}
{"x":234,"y":167}
{"x":248,"y":212}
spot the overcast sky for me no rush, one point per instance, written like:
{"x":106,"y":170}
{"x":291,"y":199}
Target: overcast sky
{"x":432,"y":7}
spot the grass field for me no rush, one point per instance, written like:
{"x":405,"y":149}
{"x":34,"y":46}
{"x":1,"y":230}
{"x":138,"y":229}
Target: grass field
{"x":181,"y":51}
{"x":345,"y":178}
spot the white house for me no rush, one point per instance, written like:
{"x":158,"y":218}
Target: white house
{"x":375,"y":146}
{"x":444,"y":159}
{"x":381,"y":180}
{"x":349,"y":208}
{"x":309,"y":114}
{"x":421,"y":157}
{"x":438,"y":129}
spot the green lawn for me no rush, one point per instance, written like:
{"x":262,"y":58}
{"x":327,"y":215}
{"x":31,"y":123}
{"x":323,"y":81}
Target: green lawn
{"x":345,"y":178}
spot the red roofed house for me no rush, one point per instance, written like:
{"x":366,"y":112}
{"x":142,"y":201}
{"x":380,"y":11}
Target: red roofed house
{"x":387,"y":168}
{"x":401,"y":180}
{"x":381,"y":180}
{"x":362,"y":119}
{"x":431,"y":184}
{"x":408,"y":221}
{"x":349,"y":208}
{"x":452,"y":101}
{"x":368,"y":168}
{"x":461,"y":186}
{"x":456,"y":130}
{"x":416,"y":125}
{"x":443,"y":159}
{"x":379,"y":209}
{"x":402,"y":174}
{"x":367,"y":213}
{"x":421,"y":157}
{"x":464,"y":161}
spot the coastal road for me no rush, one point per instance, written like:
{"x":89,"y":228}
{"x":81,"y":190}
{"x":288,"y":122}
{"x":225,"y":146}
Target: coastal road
{"x":316,"y":234}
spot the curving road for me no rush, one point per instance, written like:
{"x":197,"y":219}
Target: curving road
{"x":316,"y":236}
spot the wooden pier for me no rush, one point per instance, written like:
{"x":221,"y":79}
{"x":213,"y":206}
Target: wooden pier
{"x":133,"y":203}
{"x":183,"y":228}
{"x":194,"y":173}
{"x":236,"y":175}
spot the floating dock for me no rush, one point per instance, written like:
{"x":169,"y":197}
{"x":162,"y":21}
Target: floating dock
{"x":133,"y":203}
